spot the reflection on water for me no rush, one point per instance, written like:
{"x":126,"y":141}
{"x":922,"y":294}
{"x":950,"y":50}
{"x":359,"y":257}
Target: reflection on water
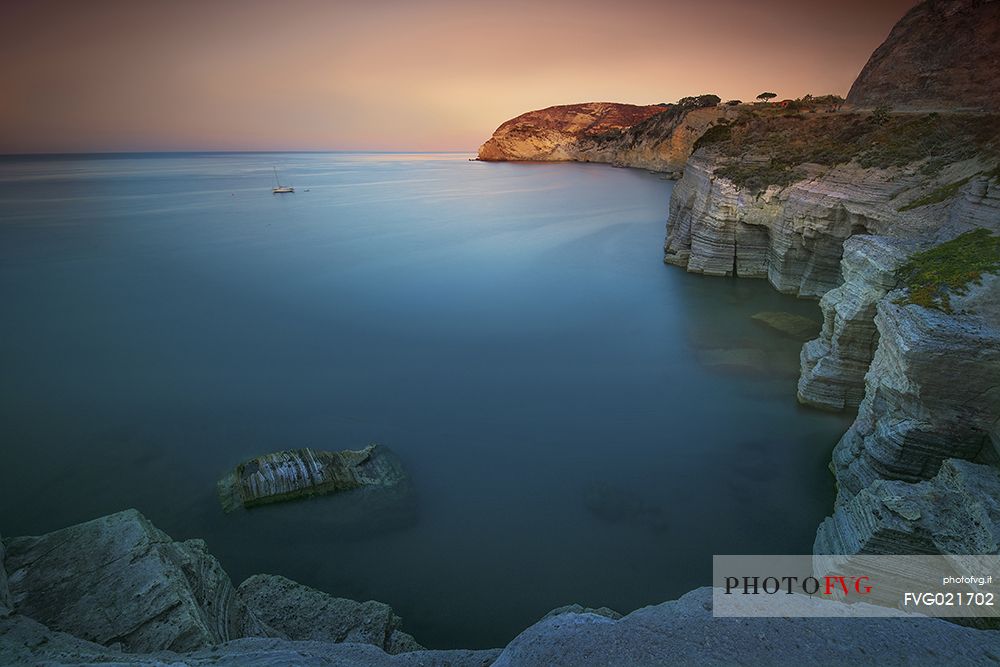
{"x":581,"y":423}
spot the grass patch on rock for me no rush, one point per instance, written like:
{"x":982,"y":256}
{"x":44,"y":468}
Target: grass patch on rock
{"x":933,"y":275}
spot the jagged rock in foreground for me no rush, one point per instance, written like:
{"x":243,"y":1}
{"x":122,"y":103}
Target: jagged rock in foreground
{"x":120,"y":580}
{"x":302,"y":613}
{"x":955,"y":512}
{"x":684,"y":632}
{"x":679,"y":632}
{"x":943,"y":54}
{"x":300,"y":473}
{"x":834,"y":365}
{"x":932,"y":391}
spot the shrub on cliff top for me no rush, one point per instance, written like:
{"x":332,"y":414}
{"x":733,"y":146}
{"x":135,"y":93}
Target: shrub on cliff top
{"x":931,"y":276}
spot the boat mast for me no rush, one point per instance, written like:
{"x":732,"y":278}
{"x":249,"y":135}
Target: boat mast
{"x":276,"y":181}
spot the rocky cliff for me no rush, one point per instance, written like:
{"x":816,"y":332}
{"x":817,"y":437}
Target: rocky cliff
{"x":775,"y":195}
{"x":944,"y":54}
{"x":658,"y":138}
{"x":298,"y":625}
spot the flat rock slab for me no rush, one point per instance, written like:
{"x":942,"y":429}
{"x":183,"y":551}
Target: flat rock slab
{"x":302,"y":473}
{"x":118,"y":580}
{"x":302,"y":613}
{"x":684,"y":632}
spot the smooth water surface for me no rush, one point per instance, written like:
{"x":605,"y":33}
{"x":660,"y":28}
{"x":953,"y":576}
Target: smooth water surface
{"x":581,"y":423}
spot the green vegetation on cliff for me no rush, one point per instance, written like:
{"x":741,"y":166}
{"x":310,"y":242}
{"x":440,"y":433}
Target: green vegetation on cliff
{"x":950,"y":267}
{"x":768,"y":146}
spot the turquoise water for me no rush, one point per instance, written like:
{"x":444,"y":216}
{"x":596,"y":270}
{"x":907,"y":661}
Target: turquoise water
{"x":581,"y":422}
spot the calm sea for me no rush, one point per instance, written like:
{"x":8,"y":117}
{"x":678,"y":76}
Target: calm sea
{"x":581,"y":423}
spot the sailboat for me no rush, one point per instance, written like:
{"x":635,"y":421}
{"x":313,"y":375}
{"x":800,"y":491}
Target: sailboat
{"x":280,"y":189}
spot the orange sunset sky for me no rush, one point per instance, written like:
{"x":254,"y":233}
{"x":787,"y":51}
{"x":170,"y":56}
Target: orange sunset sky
{"x":102,"y":75}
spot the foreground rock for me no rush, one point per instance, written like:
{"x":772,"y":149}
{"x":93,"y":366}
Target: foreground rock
{"x":943,"y":54}
{"x":26,"y":642}
{"x":119,"y":580}
{"x":4,"y":591}
{"x":301,"y":473}
{"x":955,"y":512}
{"x":684,"y":632}
{"x":298,"y":612}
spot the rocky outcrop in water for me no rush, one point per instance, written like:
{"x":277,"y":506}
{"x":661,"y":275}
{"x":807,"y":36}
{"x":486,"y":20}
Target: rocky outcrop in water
{"x":942,"y":55}
{"x":300,"y":473}
{"x":657,"y":138}
{"x":118,"y":580}
{"x":298,"y":612}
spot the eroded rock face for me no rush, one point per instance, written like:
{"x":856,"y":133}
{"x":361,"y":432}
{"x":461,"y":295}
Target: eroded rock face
{"x":932,"y":391}
{"x":301,"y":613}
{"x":119,"y":580}
{"x":942,"y":55}
{"x":300,"y":473}
{"x":955,"y":512}
{"x":834,"y":365}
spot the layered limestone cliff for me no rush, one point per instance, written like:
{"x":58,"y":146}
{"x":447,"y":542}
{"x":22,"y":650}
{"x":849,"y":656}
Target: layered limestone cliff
{"x":834,"y":365}
{"x":657,"y":138}
{"x":793,"y":233}
{"x":942,"y":55}
{"x":932,"y":392}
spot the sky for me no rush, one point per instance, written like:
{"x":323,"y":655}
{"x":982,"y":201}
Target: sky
{"x":133,"y":75}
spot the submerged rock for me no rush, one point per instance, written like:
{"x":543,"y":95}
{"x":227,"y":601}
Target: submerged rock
{"x":789,"y":324}
{"x":301,"y":473}
{"x":302,"y":613}
{"x":620,"y":505}
{"x":119,"y":580}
